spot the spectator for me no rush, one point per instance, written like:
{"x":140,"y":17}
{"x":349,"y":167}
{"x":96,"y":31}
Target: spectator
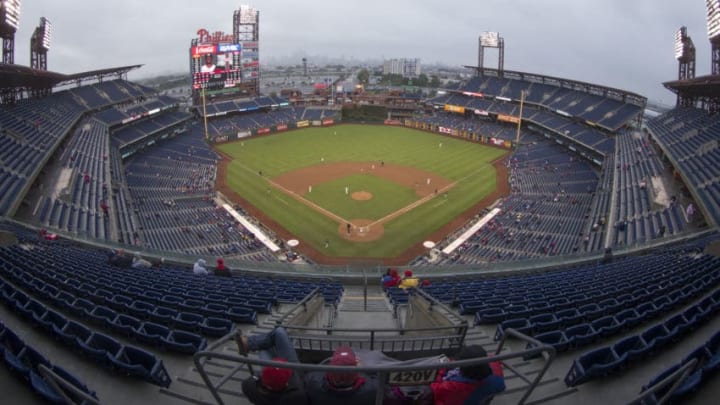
{"x":118,"y":258}
{"x":408,"y":281}
{"x":199,"y":267}
{"x":274,"y":385}
{"x":220,"y":269}
{"x":469,"y":385}
{"x":391,"y":279}
{"x":139,"y":263}
{"x":333,"y":387}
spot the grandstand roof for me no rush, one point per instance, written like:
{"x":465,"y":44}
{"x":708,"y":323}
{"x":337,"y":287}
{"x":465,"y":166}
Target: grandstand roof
{"x":704,"y":86}
{"x":12,"y":76}
{"x":19,"y":76}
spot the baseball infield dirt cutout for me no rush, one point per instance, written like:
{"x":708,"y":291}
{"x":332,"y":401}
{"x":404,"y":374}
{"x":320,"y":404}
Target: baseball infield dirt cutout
{"x":361,"y":230}
{"x":361,"y":195}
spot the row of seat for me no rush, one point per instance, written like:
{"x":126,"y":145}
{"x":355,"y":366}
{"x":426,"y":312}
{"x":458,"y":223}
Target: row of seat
{"x":610,"y":359}
{"x":707,"y":356}
{"x":611,"y":315}
{"x":24,"y":361}
{"x":109,"y":310}
{"x":101,"y":348}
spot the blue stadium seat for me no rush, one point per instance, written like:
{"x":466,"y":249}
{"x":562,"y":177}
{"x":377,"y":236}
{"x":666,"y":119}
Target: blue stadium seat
{"x":490,"y":316}
{"x":606,"y":326}
{"x":100,"y":348}
{"x":593,"y":364}
{"x":22,"y":362}
{"x":125,"y":325}
{"x":522,"y":325}
{"x":141,"y":309}
{"x":630,"y":348}
{"x":82,"y":307}
{"x":120,"y":302}
{"x":241,"y":315}
{"x":73,"y":333}
{"x":152,"y":334}
{"x":188,"y":321}
{"x":163,"y":315}
{"x":555,"y":338}
{"x":216,"y":327}
{"x":139,"y":363}
{"x":53,"y":322}
{"x":102,"y":316}
{"x":184,"y":342}
{"x":580,"y":335}
{"x":655,"y":337}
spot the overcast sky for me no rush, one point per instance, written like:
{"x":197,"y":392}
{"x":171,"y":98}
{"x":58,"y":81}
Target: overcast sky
{"x":619,"y":43}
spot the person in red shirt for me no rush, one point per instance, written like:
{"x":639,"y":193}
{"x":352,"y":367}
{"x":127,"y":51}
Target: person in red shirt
{"x":469,"y":385}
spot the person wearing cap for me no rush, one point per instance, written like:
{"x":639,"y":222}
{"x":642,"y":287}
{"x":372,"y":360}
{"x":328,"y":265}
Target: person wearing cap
{"x":221,"y":269}
{"x":390,"y":279}
{"x":469,"y":385}
{"x":340,"y":387}
{"x":408,"y":281}
{"x":273,"y":387}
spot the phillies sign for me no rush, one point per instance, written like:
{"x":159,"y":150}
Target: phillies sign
{"x":205,"y":37}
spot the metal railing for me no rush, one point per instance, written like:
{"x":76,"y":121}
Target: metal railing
{"x":674,"y":380}
{"x":60,"y":385}
{"x":547,"y":353}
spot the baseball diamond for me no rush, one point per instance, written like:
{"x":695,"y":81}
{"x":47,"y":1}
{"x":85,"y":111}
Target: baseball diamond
{"x":310,"y":184}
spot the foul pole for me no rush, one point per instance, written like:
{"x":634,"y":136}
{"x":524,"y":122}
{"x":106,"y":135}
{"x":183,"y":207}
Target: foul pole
{"x":205,"y":115}
{"x":522,"y":102}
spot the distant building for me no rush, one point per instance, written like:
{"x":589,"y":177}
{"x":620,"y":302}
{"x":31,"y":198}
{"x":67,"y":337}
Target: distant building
{"x":403,"y":67}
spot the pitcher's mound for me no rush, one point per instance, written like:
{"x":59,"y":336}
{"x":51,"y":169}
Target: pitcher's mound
{"x":361,"y":195}
{"x":360,"y":231}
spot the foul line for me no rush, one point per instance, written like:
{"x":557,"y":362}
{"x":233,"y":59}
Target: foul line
{"x":342,"y":220}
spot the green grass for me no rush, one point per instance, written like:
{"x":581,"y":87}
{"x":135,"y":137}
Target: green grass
{"x":388,"y":197}
{"x":466,"y":163}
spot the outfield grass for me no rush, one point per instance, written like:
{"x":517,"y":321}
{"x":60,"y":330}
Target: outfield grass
{"x":466,"y":163}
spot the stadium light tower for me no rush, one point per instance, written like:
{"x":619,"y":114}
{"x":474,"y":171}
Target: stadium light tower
{"x":9,"y":22}
{"x":246,"y":31}
{"x":685,"y":54}
{"x":40,"y":44}
{"x":489,"y":39}
{"x":713,"y":24}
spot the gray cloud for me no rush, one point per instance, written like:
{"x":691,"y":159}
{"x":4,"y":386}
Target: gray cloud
{"x":619,"y":43}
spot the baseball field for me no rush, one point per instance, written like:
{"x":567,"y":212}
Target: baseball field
{"x":358,"y":191}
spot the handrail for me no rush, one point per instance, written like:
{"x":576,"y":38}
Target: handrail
{"x":303,"y":303}
{"x":56,"y":381}
{"x":676,"y":378}
{"x":536,"y":347}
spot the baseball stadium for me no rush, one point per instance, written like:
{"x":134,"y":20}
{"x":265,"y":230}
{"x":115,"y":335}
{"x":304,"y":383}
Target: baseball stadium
{"x":563,"y":233}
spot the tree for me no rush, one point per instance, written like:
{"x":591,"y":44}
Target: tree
{"x":422,"y":80}
{"x":363,"y":76}
{"x":434,"y":81}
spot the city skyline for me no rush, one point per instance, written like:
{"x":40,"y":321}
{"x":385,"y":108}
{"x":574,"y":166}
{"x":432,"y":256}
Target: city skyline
{"x":627,"y":45}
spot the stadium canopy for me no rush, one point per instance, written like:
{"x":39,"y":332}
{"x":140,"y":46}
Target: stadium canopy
{"x":705,"y":86}
{"x":18,"y":76}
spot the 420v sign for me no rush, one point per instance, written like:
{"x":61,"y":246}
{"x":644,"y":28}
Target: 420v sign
{"x":414,"y":377}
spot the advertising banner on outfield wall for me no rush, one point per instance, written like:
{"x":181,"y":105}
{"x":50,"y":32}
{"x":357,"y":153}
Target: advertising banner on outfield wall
{"x":220,"y":139}
{"x":303,"y":124}
{"x":508,"y":144}
{"x":455,"y":132}
{"x":263,"y":131}
{"x":281,"y":128}
{"x":454,"y":108}
{"x":508,"y":118}
{"x":496,"y":141}
{"x":444,"y":130}
{"x":316,"y":123}
{"x":409,"y":123}
{"x":393,"y":122}
{"x":327,"y":121}
{"x":243,"y":134}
